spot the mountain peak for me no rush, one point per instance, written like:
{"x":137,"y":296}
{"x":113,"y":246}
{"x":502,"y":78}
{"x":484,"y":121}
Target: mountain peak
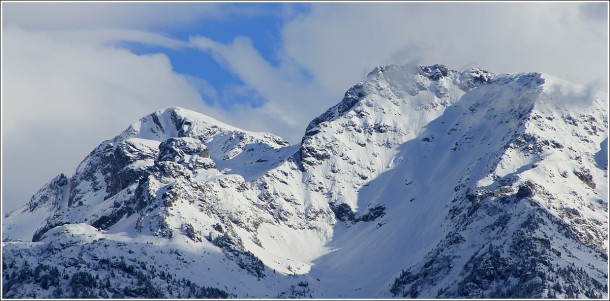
{"x":432,"y":72}
{"x":394,"y":82}
{"x":396,"y":85}
{"x":435,"y":72}
{"x":181,"y":122}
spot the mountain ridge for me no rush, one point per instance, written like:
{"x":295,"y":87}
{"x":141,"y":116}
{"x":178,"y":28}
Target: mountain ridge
{"x":477,"y":167}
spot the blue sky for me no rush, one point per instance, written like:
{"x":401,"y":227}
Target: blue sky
{"x":75,"y":74}
{"x":263,"y":28}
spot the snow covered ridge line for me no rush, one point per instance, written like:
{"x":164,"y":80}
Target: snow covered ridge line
{"x":413,"y":80}
{"x":423,"y":182}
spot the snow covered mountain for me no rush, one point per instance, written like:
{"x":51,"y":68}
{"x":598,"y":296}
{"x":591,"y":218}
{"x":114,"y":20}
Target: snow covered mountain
{"x":422,"y":182}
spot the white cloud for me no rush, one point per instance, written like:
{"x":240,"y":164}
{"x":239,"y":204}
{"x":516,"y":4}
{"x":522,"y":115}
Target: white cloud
{"x":109,"y":37}
{"x":340,"y":42}
{"x":89,"y":15}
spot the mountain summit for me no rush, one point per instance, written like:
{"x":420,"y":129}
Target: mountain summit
{"x":423,"y":182}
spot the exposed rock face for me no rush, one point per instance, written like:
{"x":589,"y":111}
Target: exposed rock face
{"x":422,"y":182}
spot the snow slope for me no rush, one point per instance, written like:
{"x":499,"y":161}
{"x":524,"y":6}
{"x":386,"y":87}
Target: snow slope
{"x":422,"y":182}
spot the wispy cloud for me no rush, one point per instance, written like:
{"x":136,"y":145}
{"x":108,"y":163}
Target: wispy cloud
{"x":291,"y":98}
{"x":338,"y":43}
